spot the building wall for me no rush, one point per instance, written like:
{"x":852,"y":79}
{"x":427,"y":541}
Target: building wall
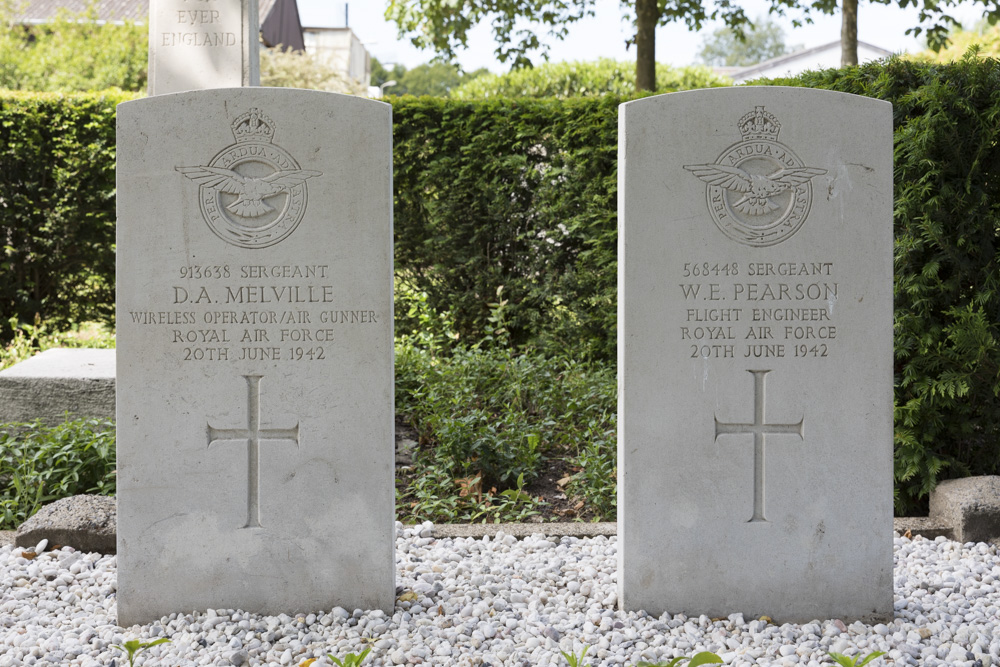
{"x":341,"y":49}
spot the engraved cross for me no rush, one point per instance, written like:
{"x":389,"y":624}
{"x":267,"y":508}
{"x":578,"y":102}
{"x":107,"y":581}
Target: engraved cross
{"x":253,"y":434}
{"x":760,"y":429}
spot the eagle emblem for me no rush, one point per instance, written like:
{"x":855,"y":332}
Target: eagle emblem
{"x":250,"y":191}
{"x":756,"y":189}
{"x":252,"y":194}
{"x":759,"y":192}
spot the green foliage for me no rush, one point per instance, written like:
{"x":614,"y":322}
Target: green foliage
{"x":133,"y":648}
{"x":72,"y":53}
{"x":514,"y":195}
{"x":284,"y":68}
{"x":728,"y":48}
{"x":858,"y":661}
{"x":703,"y":658}
{"x":574,"y":660}
{"x":947,"y":264}
{"x":444,"y":26}
{"x":351,"y":659}
{"x":984,"y":38}
{"x":488,"y":419}
{"x":57,"y":211}
{"x":573,"y":79}
{"x":29,"y":339}
{"x":39,"y":464}
{"x":437,"y":79}
{"x":381,"y":74}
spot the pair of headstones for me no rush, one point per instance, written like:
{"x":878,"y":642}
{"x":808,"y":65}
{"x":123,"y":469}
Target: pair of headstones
{"x":255,"y":352}
{"x":255,"y":373}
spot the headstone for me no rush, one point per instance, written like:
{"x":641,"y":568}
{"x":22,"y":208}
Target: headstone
{"x":203,"y":44}
{"x":755,"y":354}
{"x":255,"y":372}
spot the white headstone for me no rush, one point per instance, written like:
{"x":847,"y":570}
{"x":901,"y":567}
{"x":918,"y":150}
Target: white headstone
{"x":255,"y":353}
{"x":755,"y":354}
{"x":201,"y":44}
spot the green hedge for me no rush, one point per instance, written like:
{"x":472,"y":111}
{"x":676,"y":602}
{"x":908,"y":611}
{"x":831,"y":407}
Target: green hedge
{"x":521,"y":195}
{"x":57,"y":211}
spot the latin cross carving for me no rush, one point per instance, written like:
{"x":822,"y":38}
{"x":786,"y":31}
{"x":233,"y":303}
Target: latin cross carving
{"x":760,"y":430}
{"x":253,"y":434}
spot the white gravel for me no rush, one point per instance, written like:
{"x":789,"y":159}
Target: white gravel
{"x":497,"y":602}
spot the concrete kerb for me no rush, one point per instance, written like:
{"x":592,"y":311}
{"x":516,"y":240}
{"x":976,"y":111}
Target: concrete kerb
{"x":923,"y":526}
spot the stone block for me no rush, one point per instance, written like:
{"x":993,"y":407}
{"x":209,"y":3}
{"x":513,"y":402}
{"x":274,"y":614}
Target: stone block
{"x":85,"y":522}
{"x":971,"y":506}
{"x":198,"y":45}
{"x":49,"y":385}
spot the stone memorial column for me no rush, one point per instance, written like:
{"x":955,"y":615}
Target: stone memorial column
{"x":203,"y":44}
{"x":755,"y":354}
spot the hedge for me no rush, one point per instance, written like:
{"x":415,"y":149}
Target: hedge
{"x":57,"y":207}
{"x":521,"y":195}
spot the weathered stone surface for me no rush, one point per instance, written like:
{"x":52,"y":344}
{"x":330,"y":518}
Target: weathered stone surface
{"x":971,"y":506}
{"x":925,"y":526}
{"x":49,"y":385}
{"x":198,"y":45}
{"x":255,"y":353}
{"x":85,"y":522}
{"x":755,"y":320}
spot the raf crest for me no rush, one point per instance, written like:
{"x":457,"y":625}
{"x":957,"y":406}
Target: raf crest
{"x":759,"y":192}
{"x":252,"y":193}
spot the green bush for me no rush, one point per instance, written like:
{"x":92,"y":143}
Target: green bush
{"x":489,"y":419}
{"x":74,"y":52}
{"x":57,"y":208}
{"x":39,"y":464}
{"x":575,"y":79}
{"x":947,"y":266}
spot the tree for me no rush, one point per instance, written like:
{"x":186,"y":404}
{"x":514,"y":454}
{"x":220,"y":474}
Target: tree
{"x":380,"y":74}
{"x":72,"y":53}
{"x":576,"y":79}
{"x":435,"y":78}
{"x":983,"y":37}
{"x":444,"y":26}
{"x":764,"y":40}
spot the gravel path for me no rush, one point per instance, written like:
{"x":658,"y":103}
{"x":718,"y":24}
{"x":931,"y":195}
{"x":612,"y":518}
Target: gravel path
{"x":500,"y":601}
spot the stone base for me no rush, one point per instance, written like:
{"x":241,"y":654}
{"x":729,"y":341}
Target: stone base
{"x":86,"y":523}
{"x":80,"y":382}
{"x":971,"y":506}
{"x":923,"y":526}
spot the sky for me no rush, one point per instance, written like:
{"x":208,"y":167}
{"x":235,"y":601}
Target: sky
{"x":604,"y":35}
